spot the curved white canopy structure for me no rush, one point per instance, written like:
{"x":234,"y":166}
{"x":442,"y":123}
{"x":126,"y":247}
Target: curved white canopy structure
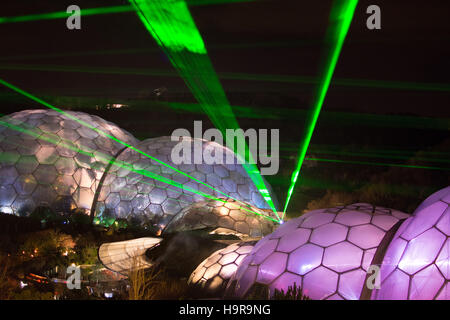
{"x":126,"y":256}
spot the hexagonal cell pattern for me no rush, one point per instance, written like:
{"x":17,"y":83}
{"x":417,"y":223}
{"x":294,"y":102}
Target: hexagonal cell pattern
{"x":214,"y":272}
{"x":50,"y":159}
{"x":160,"y":201}
{"x":326,"y":252}
{"x":232,"y":216}
{"x":416,"y":265}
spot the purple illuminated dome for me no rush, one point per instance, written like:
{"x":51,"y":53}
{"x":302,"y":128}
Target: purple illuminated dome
{"x":214,"y":272}
{"x":417,"y":262}
{"x":325,"y":252}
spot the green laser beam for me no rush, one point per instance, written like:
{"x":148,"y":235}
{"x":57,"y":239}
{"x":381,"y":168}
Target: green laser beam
{"x":170,"y":24}
{"x":378,"y":164}
{"x":342,"y":14}
{"x":366,"y":154}
{"x":363,"y":83}
{"x":174,"y":30}
{"x":8,"y":156}
{"x":40,"y":101}
{"x":260,"y":112}
{"x":122,"y":164}
{"x":64,"y":14}
{"x":217,"y":46}
{"x":102,"y":10}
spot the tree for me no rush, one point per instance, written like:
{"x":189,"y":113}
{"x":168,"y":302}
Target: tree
{"x":5,"y":285}
{"x":32,"y":294}
{"x":142,"y":282}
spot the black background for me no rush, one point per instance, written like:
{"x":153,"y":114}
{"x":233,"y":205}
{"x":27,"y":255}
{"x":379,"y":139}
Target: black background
{"x":261,"y":38}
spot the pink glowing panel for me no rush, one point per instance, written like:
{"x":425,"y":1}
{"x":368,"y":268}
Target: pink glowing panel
{"x":444,"y":222}
{"x":273,"y":267}
{"x":420,"y":249}
{"x":308,"y":214}
{"x":262,"y":253}
{"x":443,"y":260}
{"x":399,"y":214}
{"x":353,"y":218}
{"x":445,"y":293}
{"x":240,"y":272}
{"x":426,"y":283}
{"x":288,"y":226}
{"x":328,"y":250}
{"x":247,"y":280}
{"x":329,"y":234}
{"x":366,"y":236}
{"x":395,"y":287}
{"x":384,"y":222}
{"x":293,"y":240}
{"x":305,"y":258}
{"x":350,"y":284}
{"x":342,"y":257}
{"x":442,"y":194}
{"x":318,"y":219}
{"x":392,"y":256}
{"x":286,"y":280}
{"x":320,"y":283}
{"x":367,"y":258}
{"x":428,"y":217}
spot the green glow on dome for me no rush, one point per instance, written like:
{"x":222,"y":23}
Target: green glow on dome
{"x":108,"y":157}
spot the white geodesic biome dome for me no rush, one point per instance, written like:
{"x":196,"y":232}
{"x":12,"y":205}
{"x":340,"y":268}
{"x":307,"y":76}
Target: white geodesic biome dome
{"x":66,"y":161}
{"x":214,"y":272}
{"x":48,"y":159}
{"x":229,"y":217}
{"x":129,"y":194}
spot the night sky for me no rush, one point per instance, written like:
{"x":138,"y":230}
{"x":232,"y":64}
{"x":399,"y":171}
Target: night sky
{"x":269,"y":39}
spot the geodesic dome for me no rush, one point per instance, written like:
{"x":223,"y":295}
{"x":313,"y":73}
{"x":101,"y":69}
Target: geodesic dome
{"x":48,"y":159}
{"x":416,"y":265}
{"x":215,"y":271}
{"x":326,"y":252}
{"x":240,"y":219}
{"x":127,"y":194}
